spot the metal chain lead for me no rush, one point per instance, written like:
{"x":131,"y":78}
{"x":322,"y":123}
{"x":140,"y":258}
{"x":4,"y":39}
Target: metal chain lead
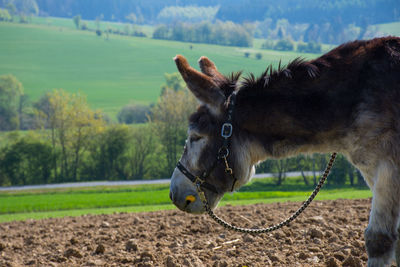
{"x":277,"y":226}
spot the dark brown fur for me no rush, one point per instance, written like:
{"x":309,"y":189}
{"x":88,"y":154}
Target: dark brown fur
{"x":347,"y":100}
{"x":353,"y":73}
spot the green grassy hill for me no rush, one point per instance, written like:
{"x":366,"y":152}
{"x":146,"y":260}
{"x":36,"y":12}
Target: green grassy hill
{"x":50,"y":54}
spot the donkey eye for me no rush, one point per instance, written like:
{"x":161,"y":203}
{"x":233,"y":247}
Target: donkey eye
{"x":194,"y":138}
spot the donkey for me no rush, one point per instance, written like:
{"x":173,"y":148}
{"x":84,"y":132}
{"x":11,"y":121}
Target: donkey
{"x":347,"y":100}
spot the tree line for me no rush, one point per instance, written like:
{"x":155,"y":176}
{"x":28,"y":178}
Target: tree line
{"x":239,"y":11}
{"x":310,"y":11}
{"x":331,"y":22}
{"x":220,"y":33}
{"x":128,"y":29}
{"x":71,"y":142}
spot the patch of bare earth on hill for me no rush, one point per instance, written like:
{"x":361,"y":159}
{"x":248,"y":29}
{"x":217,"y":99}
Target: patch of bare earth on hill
{"x":328,"y":233}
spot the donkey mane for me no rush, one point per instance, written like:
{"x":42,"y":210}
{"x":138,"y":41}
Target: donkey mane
{"x":229,"y":84}
{"x":297,"y":68}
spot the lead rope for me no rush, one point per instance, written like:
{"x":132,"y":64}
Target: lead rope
{"x":276,"y":226}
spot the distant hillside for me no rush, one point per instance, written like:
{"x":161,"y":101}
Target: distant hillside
{"x":312,"y":11}
{"x":296,"y":11}
{"x":111,"y":72}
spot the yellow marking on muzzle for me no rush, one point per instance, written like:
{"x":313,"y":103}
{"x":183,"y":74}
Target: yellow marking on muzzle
{"x":191,"y":198}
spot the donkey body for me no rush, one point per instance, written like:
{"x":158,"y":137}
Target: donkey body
{"x":347,"y":101}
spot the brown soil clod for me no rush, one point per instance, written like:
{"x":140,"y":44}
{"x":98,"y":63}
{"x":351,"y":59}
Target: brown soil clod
{"x":72,"y":252}
{"x":332,"y":262}
{"x":131,"y":245}
{"x":100,"y":249}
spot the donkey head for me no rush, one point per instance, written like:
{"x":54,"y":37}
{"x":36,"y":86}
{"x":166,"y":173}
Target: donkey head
{"x":204,"y":140}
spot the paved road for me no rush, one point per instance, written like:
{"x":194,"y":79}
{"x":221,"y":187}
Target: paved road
{"x":115,"y":183}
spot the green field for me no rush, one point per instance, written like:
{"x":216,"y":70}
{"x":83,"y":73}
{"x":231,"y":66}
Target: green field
{"x":37,"y":204}
{"x":52,"y":54}
{"x":104,"y":25}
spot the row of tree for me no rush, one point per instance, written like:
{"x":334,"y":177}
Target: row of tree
{"x":330,"y":32}
{"x":128,"y":30}
{"x":74,"y":143}
{"x":20,"y":7}
{"x":310,"y":11}
{"x":288,"y":45}
{"x":12,"y":15}
{"x":182,"y":24}
{"x":239,"y":11}
{"x":342,"y":173}
{"x":172,"y":14}
{"x":332,"y":22}
{"x":280,"y":34}
{"x":221,"y":33}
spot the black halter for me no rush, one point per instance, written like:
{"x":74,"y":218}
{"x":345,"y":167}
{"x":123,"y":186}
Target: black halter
{"x":223,"y":153}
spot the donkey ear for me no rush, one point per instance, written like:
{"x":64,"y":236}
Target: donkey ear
{"x":208,"y":67}
{"x":201,"y":85}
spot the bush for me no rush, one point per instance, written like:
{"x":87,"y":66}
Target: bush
{"x":246,"y":54}
{"x":139,"y":34}
{"x":284,"y":45}
{"x":269,"y":44}
{"x":77,"y":21}
{"x":98,"y":32}
{"x":258,"y":56}
{"x":310,"y":47}
{"x":107,"y":157}
{"x":161,"y":32}
{"x":23,"y":19}
{"x":133,"y":114}
{"x":340,"y":172}
{"x":84,"y":26}
{"x":27,"y":161}
{"x":11,"y":91}
{"x":5,"y":15}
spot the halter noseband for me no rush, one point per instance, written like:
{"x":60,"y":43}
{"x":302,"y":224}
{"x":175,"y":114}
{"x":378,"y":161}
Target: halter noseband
{"x":223,"y":153}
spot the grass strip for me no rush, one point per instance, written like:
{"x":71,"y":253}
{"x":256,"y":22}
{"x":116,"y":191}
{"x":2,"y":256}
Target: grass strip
{"x":324,"y":195}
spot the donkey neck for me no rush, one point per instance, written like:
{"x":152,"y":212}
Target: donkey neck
{"x":287,"y":122}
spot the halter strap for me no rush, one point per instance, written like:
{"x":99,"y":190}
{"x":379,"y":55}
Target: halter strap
{"x":196,"y":179}
{"x":223,"y":153}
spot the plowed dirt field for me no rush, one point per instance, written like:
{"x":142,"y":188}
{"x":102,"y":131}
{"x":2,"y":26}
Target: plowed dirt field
{"x":328,"y":233}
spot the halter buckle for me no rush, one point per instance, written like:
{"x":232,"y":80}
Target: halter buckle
{"x":226,"y":130}
{"x":223,"y":152}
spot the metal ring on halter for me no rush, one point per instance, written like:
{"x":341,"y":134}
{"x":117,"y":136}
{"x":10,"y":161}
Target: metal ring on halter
{"x":226,"y":130}
{"x":223,"y":152}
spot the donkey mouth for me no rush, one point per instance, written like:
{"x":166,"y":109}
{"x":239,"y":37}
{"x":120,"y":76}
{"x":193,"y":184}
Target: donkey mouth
{"x":188,"y":202}
{"x":192,"y":208}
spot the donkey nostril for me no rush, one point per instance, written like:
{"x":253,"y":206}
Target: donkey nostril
{"x":190,"y":199}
